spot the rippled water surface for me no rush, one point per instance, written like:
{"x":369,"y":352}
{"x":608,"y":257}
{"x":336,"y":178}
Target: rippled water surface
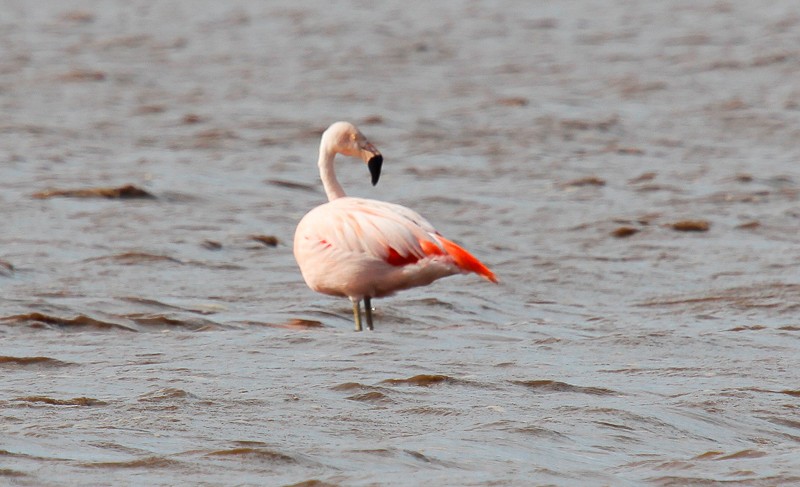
{"x":628,"y":169}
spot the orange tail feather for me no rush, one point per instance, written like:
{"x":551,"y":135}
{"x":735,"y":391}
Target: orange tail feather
{"x":465,"y":260}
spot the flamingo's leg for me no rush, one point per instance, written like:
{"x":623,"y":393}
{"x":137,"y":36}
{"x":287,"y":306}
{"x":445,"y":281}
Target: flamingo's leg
{"x":368,"y":311}
{"x":357,"y":314}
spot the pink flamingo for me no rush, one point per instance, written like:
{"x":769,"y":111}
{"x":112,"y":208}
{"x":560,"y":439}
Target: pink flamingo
{"x":364,"y":249}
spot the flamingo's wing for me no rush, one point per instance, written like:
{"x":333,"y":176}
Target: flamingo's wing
{"x":381,"y":230}
{"x":392,"y":233}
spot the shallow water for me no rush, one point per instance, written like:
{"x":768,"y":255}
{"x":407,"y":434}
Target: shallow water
{"x":170,"y":339}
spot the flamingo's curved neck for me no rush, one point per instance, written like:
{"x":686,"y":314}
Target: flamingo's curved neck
{"x":332,"y":187}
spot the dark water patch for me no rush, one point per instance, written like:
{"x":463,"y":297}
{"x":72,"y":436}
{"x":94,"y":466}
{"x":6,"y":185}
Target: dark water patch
{"x":539,"y":432}
{"x":161,"y":305}
{"x":75,"y":401}
{"x":192,"y":119}
{"x":373,"y":119}
{"x":584,"y":181}
{"x":126,"y":42}
{"x":624,"y":231}
{"x":40,"y":320}
{"x":404,"y":455}
{"x":250,"y":443}
{"x":666,"y":371}
{"x":423,"y":380}
{"x":691,"y":225}
{"x":225,"y":266}
{"x":302,"y":324}
{"x":253,"y":453}
{"x":134,"y":258}
{"x":213,"y":138}
{"x":77,"y":17}
{"x":631,"y":86}
{"x":738,"y":455}
{"x":250,"y":323}
{"x":149,"y":109}
{"x":643,"y":177}
{"x":615,"y":426}
{"x":748,"y":328}
{"x":791,"y":423}
{"x":147,"y":463}
{"x":493,"y":337}
{"x":179,"y":197}
{"x":652,"y":188}
{"x":145,"y":258}
{"x":583,"y":124}
{"x":31,"y":362}
{"x":781,"y":181}
{"x":442,"y":200}
{"x":292,"y":324}
{"x":165,"y":395}
{"x":709,"y":455}
{"x":679,"y":481}
{"x":81,"y":76}
{"x":266,"y":240}
{"x":292,"y":185}
{"x":432,"y":411}
{"x":363,"y":393}
{"x":379,"y":452}
{"x":704,"y":299}
{"x":773,"y":295}
{"x":418,"y":456}
{"x":749,"y":225}
{"x":433,"y":302}
{"x":162,"y":321}
{"x":729,"y":197}
{"x":312,"y":483}
{"x":350,"y":386}
{"x":10,"y":473}
{"x":211,"y":245}
{"x":6,"y":269}
{"x":625,"y":150}
{"x":514,"y":101}
{"x":110,"y":446}
{"x":371,"y":396}
{"x":551,"y":386}
{"x":127,"y":191}
{"x":6,"y":453}
{"x":299,"y":340}
{"x":742,"y":177}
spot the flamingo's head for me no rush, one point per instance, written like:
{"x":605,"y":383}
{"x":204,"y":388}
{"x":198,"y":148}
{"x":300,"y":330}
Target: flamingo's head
{"x":344,"y":138}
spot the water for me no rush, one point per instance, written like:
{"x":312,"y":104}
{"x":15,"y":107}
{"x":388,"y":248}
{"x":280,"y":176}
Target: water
{"x":165,"y":340}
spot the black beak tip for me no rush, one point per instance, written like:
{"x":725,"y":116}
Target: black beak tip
{"x":374,"y":166}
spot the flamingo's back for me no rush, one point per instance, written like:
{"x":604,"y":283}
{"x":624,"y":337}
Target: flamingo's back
{"x":357,"y":247}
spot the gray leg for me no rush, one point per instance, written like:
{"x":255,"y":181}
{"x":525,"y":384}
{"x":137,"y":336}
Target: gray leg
{"x":357,"y":314}
{"x":368,"y":311}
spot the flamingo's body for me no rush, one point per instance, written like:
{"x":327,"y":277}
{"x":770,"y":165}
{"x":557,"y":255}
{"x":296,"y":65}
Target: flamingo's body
{"x":364,"y":249}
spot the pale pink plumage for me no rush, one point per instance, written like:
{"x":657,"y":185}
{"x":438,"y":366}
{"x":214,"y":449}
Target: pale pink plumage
{"x":363,"y":249}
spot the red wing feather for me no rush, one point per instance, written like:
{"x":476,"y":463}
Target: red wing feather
{"x":465,"y":260}
{"x":394,"y":258}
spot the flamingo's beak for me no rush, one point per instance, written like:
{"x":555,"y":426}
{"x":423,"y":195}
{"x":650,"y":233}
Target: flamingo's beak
{"x":374,"y":166}
{"x":374,"y":161}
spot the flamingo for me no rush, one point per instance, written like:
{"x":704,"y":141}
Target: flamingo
{"x":362,"y":248}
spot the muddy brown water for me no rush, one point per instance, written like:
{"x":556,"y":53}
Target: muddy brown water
{"x":628,"y":169}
